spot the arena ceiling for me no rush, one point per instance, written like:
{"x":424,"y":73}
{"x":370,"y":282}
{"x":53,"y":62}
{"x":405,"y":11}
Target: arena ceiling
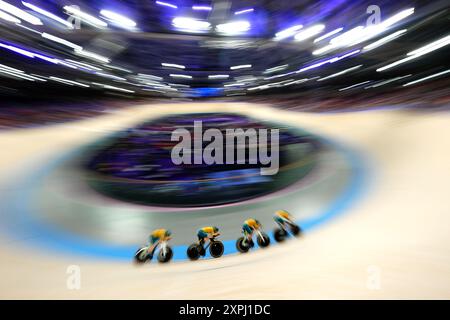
{"x":215,"y":48}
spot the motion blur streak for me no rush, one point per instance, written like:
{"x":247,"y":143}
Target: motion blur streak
{"x":85,"y":17}
{"x":427,"y":78}
{"x":48,"y":14}
{"x":94,"y":92}
{"x":7,"y":17}
{"x":19,"y":13}
{"x":118,"y":19}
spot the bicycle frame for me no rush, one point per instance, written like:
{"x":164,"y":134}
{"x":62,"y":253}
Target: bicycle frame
{"x":282,"y":226}
{"x":260,"y":235}
{"x":163,"y":247}
{"x":286,"y":227}
{"x":211,"y":240}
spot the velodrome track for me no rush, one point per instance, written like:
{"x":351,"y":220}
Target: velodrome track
{"x":395,"y":228}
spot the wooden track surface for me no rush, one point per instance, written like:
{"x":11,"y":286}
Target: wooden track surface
{"x":393,"y":243}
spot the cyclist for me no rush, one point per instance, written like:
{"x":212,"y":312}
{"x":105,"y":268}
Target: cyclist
{"x":156,"y":237}
{"x":207,"y":233}
{"x":249,"y":226}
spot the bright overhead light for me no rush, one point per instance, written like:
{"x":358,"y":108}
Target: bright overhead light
{"x":106,"y":86}
{"x":427,"y":78}
{"x":235,"y":84}
{"x":280,"y":75}
{"x":289,"y":83}
{"x":9,"y":8}
{"x":190,"y":24}
{"x":119,"y":68}
{"x":118,"y":19}
{"x":84,"y":65}
{"x":173,"y":65}
{"x":61,"y":41}
{"x":435,"y":45}
{"x":201,"y":8}
{"x":18,"y":50}
{"x":361,"y":34}
{"x":85,"y":17}
{"x":16,"y":73}
{"x":29,"y":29}
{"x":218,"y":76}
{"x":2,"y":66}
{"x":329,"y":60}
{"x":354,"y":86}
{"x":382,"y":83}
{"x":92,"y":55}
{"x":275,"y":69}
{"x":262,"y":87}
{"x":48,"y":14}
{"x":337,"y":74}
{"x":323,"y":50}
{"x":396,"y":18}
{"x":110,"y":76}
{"x":27,"y":53}
{"x":7,"y":17}
{"x":242,"y":66}
{"x":34,"y":77}
{"x":232,"y":28}
{"x":149,"y":76}
{"x":348,"y":37}
{"x":181,"y":76}
{"x":309,"y":32}
{"x":69,"y":82}
{"x":329,"y":34}
{"x":244,"y":11}
{"x":396,"y":63}
{"x":179,"y":85}
{"x":246,"y":79}
{"x":166,"y":4}
{"x":45,"y":58}
{"x":430,"y":47}
{"x":384,"y":40}
{"x":68,"y":64}
{"x":374,"y":30}
{"x":286,"y":33}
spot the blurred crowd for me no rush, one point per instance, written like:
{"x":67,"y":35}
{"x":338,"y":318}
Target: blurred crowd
{"x":429,"y":97}
{"x":28,"y":114}
{"x":136,"y":164}
{"x":144,"y":152}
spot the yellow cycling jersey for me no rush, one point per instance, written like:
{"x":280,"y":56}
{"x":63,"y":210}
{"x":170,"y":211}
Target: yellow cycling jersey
{"x":283,"y":214}
{"x":251,"y":223}
{"x":208,"y":229}
{"x":159,"y":233}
